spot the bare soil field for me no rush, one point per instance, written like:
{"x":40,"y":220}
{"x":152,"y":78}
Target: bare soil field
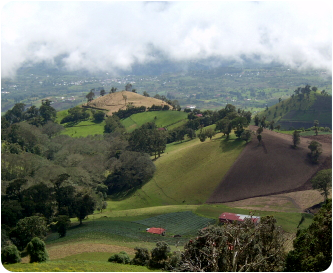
{"x":115,"y":101}
{"x":274,"y":167}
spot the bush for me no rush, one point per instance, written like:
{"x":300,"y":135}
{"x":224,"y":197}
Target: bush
{"x":121,"y":258}
{"x":36,"y":250}
{"x":160,"y":255}
{"x":141,"y":256}
{"x":10,"y":255}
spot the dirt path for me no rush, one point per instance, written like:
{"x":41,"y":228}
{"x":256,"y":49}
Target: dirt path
{"x":273,"y":168}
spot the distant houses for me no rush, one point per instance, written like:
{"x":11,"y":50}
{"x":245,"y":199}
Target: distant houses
{"x":227,"y":217}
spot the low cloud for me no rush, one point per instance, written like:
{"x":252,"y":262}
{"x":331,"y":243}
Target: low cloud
{"x":111,"y":36}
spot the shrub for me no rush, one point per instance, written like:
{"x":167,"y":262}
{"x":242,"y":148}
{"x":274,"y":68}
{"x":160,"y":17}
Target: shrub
{"x":160,"y":255}
{"x":121,"y":258}
{"x":10,"y":255}
{"x":36,"y":250}
{"x":141,"y":256}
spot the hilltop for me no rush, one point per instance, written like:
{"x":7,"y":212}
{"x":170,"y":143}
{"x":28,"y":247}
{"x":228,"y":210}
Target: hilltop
{"x":298,"y":112}
{"x":116,"y":101}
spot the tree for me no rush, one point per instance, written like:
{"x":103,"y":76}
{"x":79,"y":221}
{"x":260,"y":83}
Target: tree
{"x":323,"y":182}
{"x":145,"y":94}
{"x":141,"y":257}
{"x":47,"y":112}
{"x":316,"y":125}
{"x":62,"y":224}
{"x":271,"y":125}
{"x":160,"y":255}
{"x":246,"y":135}
{"x":99,"y":116}
{"x":90,"y":96}
{"x":10,"y":255}
{"x":102,"y":92}
{"x":28,"y":228}
{"x":296,"y":138}
{"x":128,"y":87}
{"x":315,"y":151}
{"x":256,"y":120}
{"x":84,"y":205}
{"x":313,"y":245}
{"x":113,"y":90}
{"x":36,"y":250}
{"x":125,"y":98}
{"x":243,"y":246}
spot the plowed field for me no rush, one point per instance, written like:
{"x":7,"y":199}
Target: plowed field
{"x":271,"y":168}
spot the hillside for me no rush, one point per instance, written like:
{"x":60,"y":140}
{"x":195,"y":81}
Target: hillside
{"x":272,"y":168}
{"x":297,"y":113}
{"x":115,"y":101}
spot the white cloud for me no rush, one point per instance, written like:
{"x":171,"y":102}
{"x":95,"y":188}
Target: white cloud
{"x":114,"y":35}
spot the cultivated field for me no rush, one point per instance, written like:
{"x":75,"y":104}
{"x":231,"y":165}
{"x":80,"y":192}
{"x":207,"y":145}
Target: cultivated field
{"x":271,"y":168}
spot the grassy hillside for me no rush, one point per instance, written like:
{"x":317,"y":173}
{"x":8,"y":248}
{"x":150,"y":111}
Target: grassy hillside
{"x":168,"y":119}
{"x":297,"y":113}
{"x":186,"y":173}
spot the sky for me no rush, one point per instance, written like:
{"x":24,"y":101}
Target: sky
{"x":113,"y":35}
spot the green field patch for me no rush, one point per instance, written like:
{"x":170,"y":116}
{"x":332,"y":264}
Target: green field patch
{"x":161,"y":119}
{"x":75,"y":266}
{"x":182,"y":223}
{"x":85,"y":128}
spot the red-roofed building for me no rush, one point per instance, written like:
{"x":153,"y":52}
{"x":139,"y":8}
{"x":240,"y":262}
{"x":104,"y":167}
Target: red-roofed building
{"x":230,"y":217}
{"x":155,"y":230}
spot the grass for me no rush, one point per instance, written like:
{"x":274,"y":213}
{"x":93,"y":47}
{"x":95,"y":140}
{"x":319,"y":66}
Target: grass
{"x":168,"y":119}
{"x":85,"y":128}
{"x":187,"y":173}
{"x":75,"y":266}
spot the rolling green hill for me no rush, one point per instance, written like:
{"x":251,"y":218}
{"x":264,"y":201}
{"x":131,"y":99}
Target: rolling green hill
{"x":169,"y":119}
{"x":295,"y":112}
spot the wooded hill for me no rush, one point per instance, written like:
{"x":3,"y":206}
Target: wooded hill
{"x":301,"y":109}
{"x":119,"y":100}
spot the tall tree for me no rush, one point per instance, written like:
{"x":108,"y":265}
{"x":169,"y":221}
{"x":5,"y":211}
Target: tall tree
{"x":323,"y":182}
{"x":296,"y":138}
{"x":90,"y":96}
{"x":316,"y":125}
{"x":315,"y":151}
{"x":313,"y":246}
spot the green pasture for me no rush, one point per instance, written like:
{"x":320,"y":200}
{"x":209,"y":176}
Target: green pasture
{"x":187,"y":173}
{"x":75,"y":266}
{"x":168,"y":119}
{"x":85,"y":128}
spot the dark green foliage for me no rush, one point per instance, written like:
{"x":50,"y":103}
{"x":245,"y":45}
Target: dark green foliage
{"x":62,"y":224}
{"x":113,"y":124}
{"x":142,"y":256}
{"x":315,"y":151}
{"x":323,"y":182}
{"x":75,"y":115}
{"x":84,"y":205}
{"x":28,"y":228}
{"x":90,"y":96}
{"x":246,"y":135}
{"x":313,"y":246}
{"x":36,"y":250}
{"x":10,"y":255}
{"x":99,"y":116}
{"x":131,"y":170}
{"x":121,"y":258}
{"x":160,"y":255}
{"x":47,"y":112}
{"x":296,"y":138}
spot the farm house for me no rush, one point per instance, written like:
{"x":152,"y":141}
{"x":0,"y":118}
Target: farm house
{"x":154,"y":230}
{"x":229,"y":217}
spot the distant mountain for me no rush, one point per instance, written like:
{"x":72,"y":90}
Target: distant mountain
{"x":301,"y":111}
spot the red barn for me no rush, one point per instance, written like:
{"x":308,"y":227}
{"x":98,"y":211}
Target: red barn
{"x":230,"y":217}
{"x":155,"y":230}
